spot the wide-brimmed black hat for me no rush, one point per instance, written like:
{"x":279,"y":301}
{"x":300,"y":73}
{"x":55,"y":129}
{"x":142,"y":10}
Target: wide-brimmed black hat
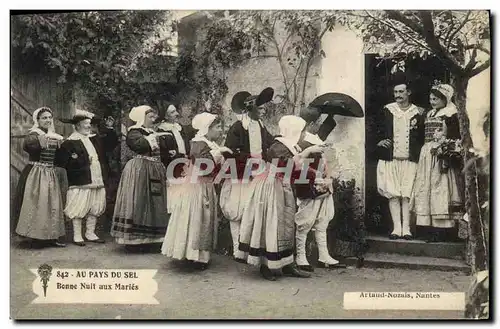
{"x":80,"y":116}
{"x":338,"y":103}
{"x":243,"y":100}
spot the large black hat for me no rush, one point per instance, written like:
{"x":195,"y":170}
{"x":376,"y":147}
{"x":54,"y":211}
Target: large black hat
{"x":401,"y":78}
{"x":243,"y":100}
{"x":338,"y":103}
{"x":81,"y":115}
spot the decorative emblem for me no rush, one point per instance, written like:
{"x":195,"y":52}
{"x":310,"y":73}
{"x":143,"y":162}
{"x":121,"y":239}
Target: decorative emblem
{"x":74,"y":156}
{"x":413,"y":123}
{"x":45,"y":272}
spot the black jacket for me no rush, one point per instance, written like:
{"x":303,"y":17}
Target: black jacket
{"x":238,"y":140}
{"x":416,"y":139}
{"x":169,"y":150}
{"x":73,"y":156}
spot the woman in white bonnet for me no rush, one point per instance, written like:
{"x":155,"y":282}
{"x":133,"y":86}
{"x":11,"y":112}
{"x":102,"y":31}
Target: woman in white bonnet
{"x":267,"y":235}
{"x":437,"y":196}
{"x":40,"y":193}
{"x":192,"y":231}
{"x":140,"y":216}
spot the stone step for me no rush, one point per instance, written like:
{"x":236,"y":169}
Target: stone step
{"x":392,"y":260}
{"x":450,"y":250}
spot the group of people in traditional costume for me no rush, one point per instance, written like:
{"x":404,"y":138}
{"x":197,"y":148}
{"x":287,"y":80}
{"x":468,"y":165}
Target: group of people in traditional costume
{"x":260,"y":205}
{"x":419,"y":164}
{"x":276,"y":189}
{"x":64,"y":178}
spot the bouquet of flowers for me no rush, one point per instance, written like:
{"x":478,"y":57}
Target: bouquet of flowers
{"x":448,"y":151}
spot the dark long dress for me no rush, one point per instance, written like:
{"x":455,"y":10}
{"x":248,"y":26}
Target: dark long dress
{"x":140,"y":214}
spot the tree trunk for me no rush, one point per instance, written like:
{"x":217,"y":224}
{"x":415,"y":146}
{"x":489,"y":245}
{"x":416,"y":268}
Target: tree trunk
{"x":477,"y":233}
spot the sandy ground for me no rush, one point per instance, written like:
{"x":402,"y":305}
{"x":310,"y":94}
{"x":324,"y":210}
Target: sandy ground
{"x":227,"y":290}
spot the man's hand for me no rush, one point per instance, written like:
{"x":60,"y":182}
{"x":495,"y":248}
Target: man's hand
{"x":386,"y":143}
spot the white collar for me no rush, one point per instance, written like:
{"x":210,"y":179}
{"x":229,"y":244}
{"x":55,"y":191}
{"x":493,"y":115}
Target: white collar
{"x":246,"y":120}
{"x":49,"y":134}
{"x":313,"y":139}
{"x":77,"y":136}
{"x":212,"y":145}
{"x":170,"y":126}
{"x":398,"y":112}
{"x":448,"y":111}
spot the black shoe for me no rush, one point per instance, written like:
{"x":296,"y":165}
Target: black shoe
{"x":79,"y":243}
{"x":394,"y":237}
{"x":408,"y":237}
{"x":57,"y":244}
{"x":266,"y":273}
{"x":200,"y":266}
{"x":239,"y":260}
{"x":292,"y":270}
{"x":307,"y":268}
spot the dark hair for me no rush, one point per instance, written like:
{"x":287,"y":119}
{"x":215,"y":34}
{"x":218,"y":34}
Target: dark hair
{"x":43,"y":110}
{"x":310,"y":114}
{"x":216,"y":121}
{"x":439,"y":94}
{"x":401,"y":79}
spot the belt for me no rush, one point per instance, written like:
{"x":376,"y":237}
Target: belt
{"x":43,"y":164}
{"x":155,"y":159}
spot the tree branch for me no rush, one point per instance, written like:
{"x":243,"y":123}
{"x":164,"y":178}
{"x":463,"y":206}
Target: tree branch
{"x":263,"y":56}
{"x":457,"y":30}
{"x":427,"y":32}
{"x":447,"y":37}
{"x":478,"y":47}
{"x":480,"y":68}
{"x":472,"y":61}
{"x":403,"y":35}
{"x":397,"y":16}
{"x":308,"y":66}
{"x":274,"y":23}
{"x":283,"y":69}
{"x":286,"y":40}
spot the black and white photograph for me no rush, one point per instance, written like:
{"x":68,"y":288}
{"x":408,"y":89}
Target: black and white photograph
{"x":250,"y":164}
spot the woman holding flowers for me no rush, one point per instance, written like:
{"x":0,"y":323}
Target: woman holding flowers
{"x":436,"y":197}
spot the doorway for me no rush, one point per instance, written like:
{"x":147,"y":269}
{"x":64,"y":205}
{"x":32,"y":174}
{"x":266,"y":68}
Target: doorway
{"x":423,"y":71}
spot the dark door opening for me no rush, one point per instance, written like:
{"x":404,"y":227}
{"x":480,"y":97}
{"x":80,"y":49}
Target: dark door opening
{"x":378,"y":92}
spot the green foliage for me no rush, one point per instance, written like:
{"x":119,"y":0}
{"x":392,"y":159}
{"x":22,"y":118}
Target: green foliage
{"x":291,"y":37}
{"x":104,"y":53}
{"x":347,"y":228}
{"x":456,"y":37}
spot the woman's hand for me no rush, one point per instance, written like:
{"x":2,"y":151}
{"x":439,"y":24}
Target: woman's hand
{"x":316,"y":149}
{"x":225,"y":149}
